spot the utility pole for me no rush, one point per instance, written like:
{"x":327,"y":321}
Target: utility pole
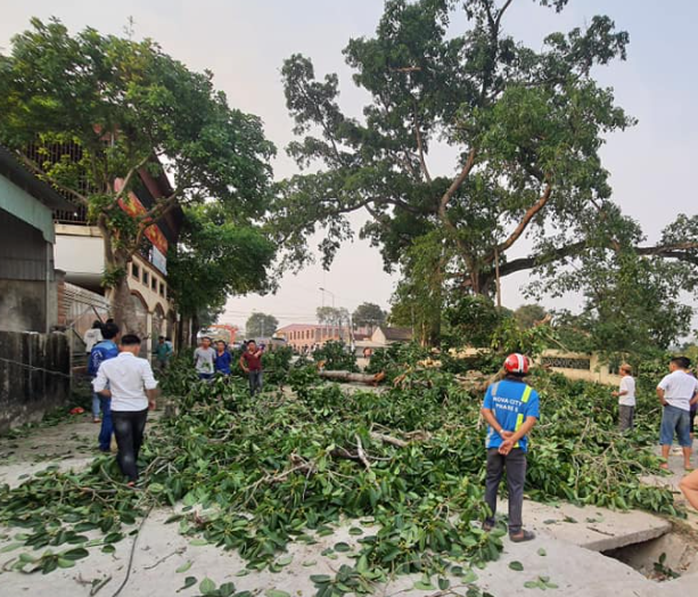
{"x":324,"y":330}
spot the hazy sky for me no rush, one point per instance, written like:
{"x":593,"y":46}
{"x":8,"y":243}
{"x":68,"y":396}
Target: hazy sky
{"x":244,"y":43}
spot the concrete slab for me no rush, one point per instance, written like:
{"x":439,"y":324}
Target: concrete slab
{"x":590,"y":527}
{"x":161,"y":551}
{"x":70,"y":444}
{"x":671,"y":479}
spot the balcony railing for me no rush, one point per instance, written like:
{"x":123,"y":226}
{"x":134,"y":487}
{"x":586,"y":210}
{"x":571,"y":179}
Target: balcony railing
{"x":77,"y":216}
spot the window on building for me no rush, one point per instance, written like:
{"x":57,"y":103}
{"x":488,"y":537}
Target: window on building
{"x":135,"y":271}
{"x":154,"y":284}
{"x":162,"y":289}
{"x":146,"y":278}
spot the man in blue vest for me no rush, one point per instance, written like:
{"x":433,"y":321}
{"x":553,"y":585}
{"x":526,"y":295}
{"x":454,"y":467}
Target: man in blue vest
{"x":511,"y":409}
{"x":103,"y":351}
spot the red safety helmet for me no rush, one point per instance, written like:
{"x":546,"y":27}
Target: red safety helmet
{"x":516,"y":363}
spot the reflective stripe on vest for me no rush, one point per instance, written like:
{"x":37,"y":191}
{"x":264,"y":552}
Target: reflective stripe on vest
{"x":520,"y":417}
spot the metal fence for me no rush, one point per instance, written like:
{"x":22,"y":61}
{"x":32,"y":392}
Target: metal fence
{"x":82,"y":308}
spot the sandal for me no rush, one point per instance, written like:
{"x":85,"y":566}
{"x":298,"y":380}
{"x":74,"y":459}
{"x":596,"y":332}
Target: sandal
{"x":487,"y":527}
{"x":522,"y":536}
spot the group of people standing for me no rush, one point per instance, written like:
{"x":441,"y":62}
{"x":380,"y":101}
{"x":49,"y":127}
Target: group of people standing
{"x":678,"y":394}
{"x":210,"y":362}
{"x":125,"y":388}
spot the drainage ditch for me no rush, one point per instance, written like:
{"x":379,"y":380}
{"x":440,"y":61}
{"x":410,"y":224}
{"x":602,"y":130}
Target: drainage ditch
{"x":662,"y":559}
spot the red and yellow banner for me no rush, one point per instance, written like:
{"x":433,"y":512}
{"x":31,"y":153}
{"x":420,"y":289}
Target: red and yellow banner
{"x":133,"y":207}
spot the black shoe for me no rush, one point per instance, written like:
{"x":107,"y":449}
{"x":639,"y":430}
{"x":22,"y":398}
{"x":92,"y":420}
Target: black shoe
{"x":522,"y":536}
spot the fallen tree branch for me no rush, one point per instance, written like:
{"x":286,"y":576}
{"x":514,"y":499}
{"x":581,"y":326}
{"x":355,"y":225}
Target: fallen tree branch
{"x":133,"y":552}
{"x":362,"y":454}
{"x":350,"y":376}
{"x":418,"y":435}
{"x":388,"y":439}
{"x":300,"y":465}
{"x":176,"y":552}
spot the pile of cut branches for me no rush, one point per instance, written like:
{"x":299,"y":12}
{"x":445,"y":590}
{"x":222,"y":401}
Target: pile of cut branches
{"x":256,"y":474}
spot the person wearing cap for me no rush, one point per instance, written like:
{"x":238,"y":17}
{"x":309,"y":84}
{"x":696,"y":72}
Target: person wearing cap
{"x":511,"y":409}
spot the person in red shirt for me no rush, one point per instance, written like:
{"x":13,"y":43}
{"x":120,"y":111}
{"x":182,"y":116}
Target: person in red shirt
{"x":251,"y":363}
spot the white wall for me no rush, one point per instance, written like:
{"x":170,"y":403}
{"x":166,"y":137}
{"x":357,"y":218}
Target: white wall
{"x":81,"y":255}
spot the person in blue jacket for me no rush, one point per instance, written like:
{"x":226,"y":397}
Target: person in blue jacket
{"x":102,"y":351}
{"x":222,"y":359}
{"x":511,"y":409}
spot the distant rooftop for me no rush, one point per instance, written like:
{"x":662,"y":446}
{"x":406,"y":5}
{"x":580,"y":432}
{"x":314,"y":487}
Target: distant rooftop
{"x":396,"y":334}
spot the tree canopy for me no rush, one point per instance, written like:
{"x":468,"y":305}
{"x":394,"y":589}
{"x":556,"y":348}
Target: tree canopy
{"x":368,"y":315}
{"x":529,"y":315}
{"x":525,"y":126}
{"x":216,"y":257}
{"x":336,"y":316}
{"x":261,"y":325}
{"x":129,"y":108}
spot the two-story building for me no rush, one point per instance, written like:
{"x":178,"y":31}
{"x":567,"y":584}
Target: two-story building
{"x":80,"y":253}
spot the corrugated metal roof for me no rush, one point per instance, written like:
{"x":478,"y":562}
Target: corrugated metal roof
{"x":11,"y":168}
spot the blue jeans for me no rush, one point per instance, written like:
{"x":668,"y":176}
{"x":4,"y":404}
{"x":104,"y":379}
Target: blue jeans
{"x":96,"y":405}
{"x":675,"y":420}
{"x":255,"y":379}
{"x":205,"y":376}
{"x":107,"y":428}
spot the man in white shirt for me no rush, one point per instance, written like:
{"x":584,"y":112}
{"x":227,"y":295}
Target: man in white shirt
{"x":677,"y":392}
{"x":132,"y":389}
{"x":626,"y":398}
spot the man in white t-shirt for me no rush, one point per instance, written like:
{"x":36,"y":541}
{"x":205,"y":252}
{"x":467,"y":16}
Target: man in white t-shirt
{"x":626,"y":398}
{"x":129,"y":381}
{"x":677,"y":392}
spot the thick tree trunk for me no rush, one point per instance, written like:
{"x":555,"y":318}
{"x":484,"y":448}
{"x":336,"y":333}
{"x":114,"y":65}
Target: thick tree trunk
{"x":195,"y":326}
{"x":181,"y":338}
{"x":367,"y":378}
{"x":119,"y":294}
{"x":122,"y":308}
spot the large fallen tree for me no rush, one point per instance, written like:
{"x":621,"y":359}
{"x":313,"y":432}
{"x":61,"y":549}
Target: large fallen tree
{"x":277,"y":468}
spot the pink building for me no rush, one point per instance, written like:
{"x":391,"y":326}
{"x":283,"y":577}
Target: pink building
{"x":302,"y":335}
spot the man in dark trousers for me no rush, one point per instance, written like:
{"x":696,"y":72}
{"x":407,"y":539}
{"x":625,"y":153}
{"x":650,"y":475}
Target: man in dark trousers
{"x":511,"y":409}
{"x":251,"y":363}
{"x":103,"y":351}
{"x":129,"y":381}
